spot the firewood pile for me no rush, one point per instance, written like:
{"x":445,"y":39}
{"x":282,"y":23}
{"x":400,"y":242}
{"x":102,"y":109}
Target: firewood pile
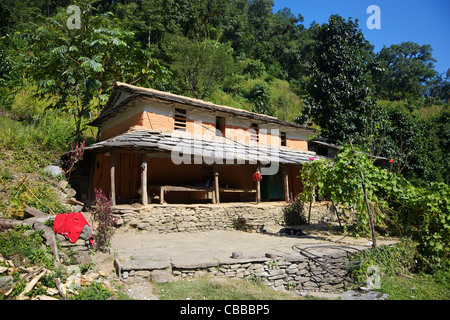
{"x":18,"y":282}
{"x":32,"y":277}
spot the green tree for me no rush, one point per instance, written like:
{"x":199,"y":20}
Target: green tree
{"x":338,"y":89}
{"x":414,"y":144}
{"x":260,"y":96}
{"x":403,"y":70}
{"x":76,"y":68}
{"x":199,"y":66}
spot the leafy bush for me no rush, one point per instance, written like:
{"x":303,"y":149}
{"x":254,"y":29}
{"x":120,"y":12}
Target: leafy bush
{"x":95,"y":291}
{"x":25,"y":247}
{"x":392,"y":260}
{"x":398,"y":206}
{"x":294,"y":212}
{"x":38,"y":194}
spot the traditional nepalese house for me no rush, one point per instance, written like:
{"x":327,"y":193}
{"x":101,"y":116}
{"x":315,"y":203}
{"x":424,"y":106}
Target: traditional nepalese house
{"x":160,"y":147}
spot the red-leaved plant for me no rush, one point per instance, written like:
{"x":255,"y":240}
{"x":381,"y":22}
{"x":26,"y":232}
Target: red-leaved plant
{"x":104,"y":220}
{"x":74,"y":156}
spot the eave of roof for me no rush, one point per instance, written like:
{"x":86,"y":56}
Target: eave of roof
{"x":111,"y":109}
{"x":219,"y":150}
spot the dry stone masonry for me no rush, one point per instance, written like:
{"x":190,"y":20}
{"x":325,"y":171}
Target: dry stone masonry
{"x":191,"y":218}
{"x":294,"y":273}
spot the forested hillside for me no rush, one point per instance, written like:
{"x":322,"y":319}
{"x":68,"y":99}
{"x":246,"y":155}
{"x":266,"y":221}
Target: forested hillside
{"x":59,"y":60}
{"x":239,"y":53}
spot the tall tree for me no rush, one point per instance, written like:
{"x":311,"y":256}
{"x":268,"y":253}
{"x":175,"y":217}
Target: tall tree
{"x":77,"y":67}
{"x":338,"y":89}
{"x":403,"y":70}
{"x":200,"y":66}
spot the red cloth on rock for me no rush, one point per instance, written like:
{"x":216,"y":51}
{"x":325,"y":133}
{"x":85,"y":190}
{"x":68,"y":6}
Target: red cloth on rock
{"x":70,"y":225}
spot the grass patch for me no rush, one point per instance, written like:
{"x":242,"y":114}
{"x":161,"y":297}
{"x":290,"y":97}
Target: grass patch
{"x":25,"y":247}
{"x":209,"y":288}
{"x":419,"y":287}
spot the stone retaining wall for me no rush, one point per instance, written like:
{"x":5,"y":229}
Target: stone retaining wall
{"x":296,"y":274}
{"x":191,"y":218}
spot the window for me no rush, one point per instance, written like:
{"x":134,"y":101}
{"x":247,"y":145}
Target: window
{"x":283,"y":139}
{"x":180,"y":119}
{"x":220,"y":126}
{"x":254,"y":132}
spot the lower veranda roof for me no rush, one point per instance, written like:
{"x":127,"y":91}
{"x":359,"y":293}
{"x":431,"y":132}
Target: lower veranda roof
{"x":214,"y":150}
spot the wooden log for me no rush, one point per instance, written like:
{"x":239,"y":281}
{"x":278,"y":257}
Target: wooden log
{"x":48,"y":235}
{"x":61,"y":288}
{"x":11,"y":223}
{"x":34,"y":212}
{"x":30,"y":285}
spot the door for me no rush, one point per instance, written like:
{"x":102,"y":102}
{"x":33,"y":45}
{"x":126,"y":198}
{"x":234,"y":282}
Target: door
{"x":272,"y":187}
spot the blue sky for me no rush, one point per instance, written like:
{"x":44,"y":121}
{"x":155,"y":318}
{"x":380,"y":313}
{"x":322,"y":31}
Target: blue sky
{"x":423,"y":22}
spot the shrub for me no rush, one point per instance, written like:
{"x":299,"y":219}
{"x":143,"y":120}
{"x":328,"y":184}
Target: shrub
{"x":95,"y":291}
{"x":392,"y":260}
{"x":25,"y":247}
{"x":102,"y":214}
{"x":397,"y":205}
{"x":294,"y":212}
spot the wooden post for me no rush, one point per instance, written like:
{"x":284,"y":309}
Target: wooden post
{"x":161,"y":194}
{"x":144,"y":180}
{"x":366,"y":199}
{"x":285,"y":183}
{"x":258,"y":187}
{"x":112,"y":176}
{"x":216,"y":185}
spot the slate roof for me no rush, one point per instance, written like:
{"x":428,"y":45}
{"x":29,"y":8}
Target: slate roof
{"x":218,"y":150}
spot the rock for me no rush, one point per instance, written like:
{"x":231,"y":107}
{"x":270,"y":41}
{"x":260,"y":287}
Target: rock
{"x":63,"y":184}
{"x":54,"y":170}
{"x":370,"y":295}
{"x":70,"y":192}
{"x":160,"y":276}
{"x":86,"y":233}
{"x":83,"y":258}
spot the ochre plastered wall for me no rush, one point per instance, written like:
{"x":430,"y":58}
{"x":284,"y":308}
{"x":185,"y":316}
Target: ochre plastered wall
{"x":235,"y":129}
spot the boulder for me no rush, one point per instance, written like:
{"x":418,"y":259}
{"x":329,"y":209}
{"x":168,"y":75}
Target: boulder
{"x":54,"y":171}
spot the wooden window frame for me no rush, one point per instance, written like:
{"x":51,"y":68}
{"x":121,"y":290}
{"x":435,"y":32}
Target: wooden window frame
{"x":180,"y":119}
{"x":254,"y":132}
{"x":220,"y":126}
{"x":283,"y":139}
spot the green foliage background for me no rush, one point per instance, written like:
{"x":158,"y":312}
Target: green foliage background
{"x":392,"y":103}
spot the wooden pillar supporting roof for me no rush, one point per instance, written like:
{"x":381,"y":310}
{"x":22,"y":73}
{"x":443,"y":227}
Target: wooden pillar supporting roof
{"x":112,"y":177}
{"x":285,"y":173}
{"x":258,"y":186}
{"x":216,"y":196}
{"x":144,"y":180}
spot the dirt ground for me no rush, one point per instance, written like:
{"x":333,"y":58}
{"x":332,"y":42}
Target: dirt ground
{"x":187,"y":248}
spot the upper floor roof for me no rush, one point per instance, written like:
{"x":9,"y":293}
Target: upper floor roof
{"x":123,"y":95}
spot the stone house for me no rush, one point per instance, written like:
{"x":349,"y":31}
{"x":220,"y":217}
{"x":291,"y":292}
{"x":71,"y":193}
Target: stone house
{"x":158,"y":147}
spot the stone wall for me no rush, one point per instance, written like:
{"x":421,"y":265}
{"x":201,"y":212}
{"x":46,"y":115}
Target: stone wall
{"x":190,"y":218}
{"x":295,"y":274}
